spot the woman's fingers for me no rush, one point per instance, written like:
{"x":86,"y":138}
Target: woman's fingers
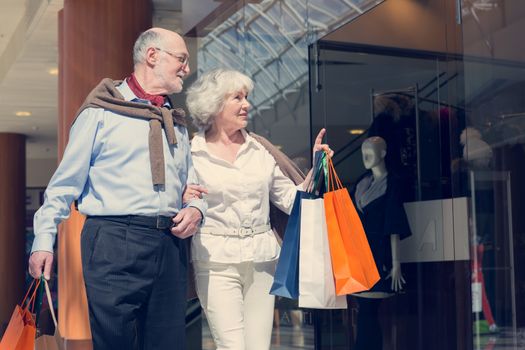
{"x":326,"y":148}
{"x":319,"y":146}
{"x":196,"y":191}
{"x":320,"y":136}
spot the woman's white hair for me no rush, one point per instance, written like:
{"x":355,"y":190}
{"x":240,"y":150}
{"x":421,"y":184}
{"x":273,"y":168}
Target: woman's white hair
{"x":206,"y":96}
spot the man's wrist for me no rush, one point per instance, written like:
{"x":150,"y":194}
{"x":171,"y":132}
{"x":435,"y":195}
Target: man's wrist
{"x":200,"y":212}
{"x":42,"y":251}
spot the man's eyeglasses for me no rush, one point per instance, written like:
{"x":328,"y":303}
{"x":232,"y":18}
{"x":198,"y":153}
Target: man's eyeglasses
{"x":183,"y":59}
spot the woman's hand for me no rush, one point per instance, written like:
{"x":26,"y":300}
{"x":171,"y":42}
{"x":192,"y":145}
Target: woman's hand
{"x":192,"y":192}
{"x":318,"y":146}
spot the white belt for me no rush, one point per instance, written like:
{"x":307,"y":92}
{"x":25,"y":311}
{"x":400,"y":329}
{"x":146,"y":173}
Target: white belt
{"x":238,"y":232}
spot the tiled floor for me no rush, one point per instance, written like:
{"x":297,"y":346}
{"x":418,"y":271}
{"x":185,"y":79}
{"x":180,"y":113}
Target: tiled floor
{"x":298,"y":338}
{"x":505,"y":339}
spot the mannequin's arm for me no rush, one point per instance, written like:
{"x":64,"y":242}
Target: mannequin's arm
{"x":395,"y":274}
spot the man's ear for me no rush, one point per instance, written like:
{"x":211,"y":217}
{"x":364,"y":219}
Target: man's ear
{"x":152,"y":56}
{"x":383,"y":153}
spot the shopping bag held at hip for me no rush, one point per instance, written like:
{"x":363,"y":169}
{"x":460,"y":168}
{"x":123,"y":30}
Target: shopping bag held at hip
{"x":50,"y":342}
{"x":21,"y":330}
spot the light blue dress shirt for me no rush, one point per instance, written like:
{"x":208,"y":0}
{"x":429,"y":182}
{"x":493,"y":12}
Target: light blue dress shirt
{"x":106,"y":166}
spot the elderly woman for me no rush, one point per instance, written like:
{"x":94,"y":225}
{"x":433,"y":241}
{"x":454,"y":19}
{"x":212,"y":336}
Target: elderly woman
{"x":235,"y":251}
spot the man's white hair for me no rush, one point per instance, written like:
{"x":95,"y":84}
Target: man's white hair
{"x":147,"y":39}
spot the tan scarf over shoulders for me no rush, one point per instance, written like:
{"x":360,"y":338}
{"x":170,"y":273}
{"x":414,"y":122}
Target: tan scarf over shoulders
{"x":278,"y":219}
{"x":105,"y":95}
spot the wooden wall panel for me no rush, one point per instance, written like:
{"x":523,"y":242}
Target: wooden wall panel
{"x":13,"y":262}
{"x":95,"y":41}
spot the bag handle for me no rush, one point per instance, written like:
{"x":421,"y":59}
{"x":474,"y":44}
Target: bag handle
{"x":30,"y":304}
{"x":50,"y":303}
{"x":36,"y":303}
{"x":332,"y":177}
{"x":315,"y":179}
{"x":27,"y":293}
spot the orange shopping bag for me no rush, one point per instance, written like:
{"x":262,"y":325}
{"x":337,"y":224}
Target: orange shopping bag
{"x":21,"y":330}
{"x":353,"y":264}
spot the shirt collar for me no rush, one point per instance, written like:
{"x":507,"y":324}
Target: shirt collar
{"x":249,"y":140}
{"x":125,"y":90}
{"x":198,"y":142}
{"x":128,"y":95}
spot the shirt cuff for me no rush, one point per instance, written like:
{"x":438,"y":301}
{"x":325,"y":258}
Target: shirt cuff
{"x":200,"y":205}
{"x":43,"y":242}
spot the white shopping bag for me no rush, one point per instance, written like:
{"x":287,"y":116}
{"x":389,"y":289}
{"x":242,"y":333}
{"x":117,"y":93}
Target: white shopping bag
{"x":316,"y":280}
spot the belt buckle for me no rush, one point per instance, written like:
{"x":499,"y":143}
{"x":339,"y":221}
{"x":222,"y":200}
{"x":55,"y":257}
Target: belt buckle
{"x":245,"y":232}
{"x":161,"y":224}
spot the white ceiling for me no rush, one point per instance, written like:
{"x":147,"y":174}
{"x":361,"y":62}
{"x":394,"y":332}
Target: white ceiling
{"x":28,"y":51}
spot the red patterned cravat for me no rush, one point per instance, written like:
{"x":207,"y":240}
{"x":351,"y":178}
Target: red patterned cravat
{"x":156,"y":100}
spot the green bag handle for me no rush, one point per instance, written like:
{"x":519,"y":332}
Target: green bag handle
{"x":315,"y":181}
{"x":37,"y":303}
{"x":321,"y":169}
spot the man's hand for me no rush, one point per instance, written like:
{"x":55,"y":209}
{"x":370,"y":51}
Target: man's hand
{"x":41,"y":260}
{"x":193,"y":192}
{"x":186,"y":222}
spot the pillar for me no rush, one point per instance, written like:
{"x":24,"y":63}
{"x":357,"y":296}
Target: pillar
{"x":13,"y":262}
{"x":96,"y":39}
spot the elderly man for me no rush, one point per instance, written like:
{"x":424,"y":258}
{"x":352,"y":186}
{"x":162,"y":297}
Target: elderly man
{"x":127,"y":163}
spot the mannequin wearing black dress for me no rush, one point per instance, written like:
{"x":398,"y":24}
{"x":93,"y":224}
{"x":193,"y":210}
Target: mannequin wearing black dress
{"x":378,"y":201}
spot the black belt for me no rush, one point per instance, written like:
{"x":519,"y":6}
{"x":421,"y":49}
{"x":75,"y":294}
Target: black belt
{"x":158,"y":222}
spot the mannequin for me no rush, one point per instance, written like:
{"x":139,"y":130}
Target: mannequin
{"x":378,"y":201}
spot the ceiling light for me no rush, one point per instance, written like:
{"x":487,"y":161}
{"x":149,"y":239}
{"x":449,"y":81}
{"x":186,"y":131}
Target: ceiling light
{"x":23,"y":114}
{"x":356,"y":131}
{"x":53,"y":71}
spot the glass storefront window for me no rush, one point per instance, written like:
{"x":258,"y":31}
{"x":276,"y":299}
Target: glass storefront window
{"x":268,"y":40}
{"x":445,"y":92}
{"x":398,"y":95}
{"x":442,"y":81}
{"x":493,"y":152}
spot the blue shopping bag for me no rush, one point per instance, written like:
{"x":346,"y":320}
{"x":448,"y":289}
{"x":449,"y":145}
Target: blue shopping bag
{"x":286,"y":278}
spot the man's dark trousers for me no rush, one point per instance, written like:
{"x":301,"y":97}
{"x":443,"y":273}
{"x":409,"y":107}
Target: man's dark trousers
{"x":135,"y":275}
